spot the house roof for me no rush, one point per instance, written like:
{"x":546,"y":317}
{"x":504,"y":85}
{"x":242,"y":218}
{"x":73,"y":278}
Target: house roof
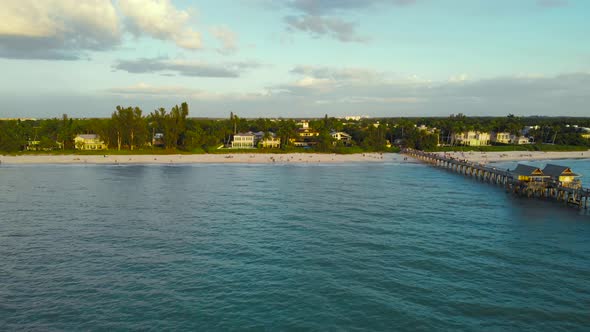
{"x":341,"y":133}
{"x":556,"y":171}
{"x":249,"y":134}
{"x":526,"y":170}
{"x":261,"y":134}
{"x":88,"y":136}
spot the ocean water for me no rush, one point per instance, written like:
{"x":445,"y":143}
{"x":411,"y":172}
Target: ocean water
{"x":392,"y":246}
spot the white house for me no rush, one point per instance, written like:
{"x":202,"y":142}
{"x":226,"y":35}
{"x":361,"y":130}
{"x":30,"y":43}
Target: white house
{"x":243,"y":141}
{"x":89,"y":142}
{"x":520,"y":140}
{"x":502,"y":137}
{"x":472,"y":138}
{"x":340,"y":136}
{"x":270,"y":142}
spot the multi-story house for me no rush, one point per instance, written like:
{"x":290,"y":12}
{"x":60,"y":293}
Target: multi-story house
{"x":472,"y":138}
{"x":243,"y":141}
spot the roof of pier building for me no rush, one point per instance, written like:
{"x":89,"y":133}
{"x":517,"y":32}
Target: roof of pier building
{"x":557,"y":171}
{"x":526,"y":170}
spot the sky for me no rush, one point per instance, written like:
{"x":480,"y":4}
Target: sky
{"x":295,"y":58}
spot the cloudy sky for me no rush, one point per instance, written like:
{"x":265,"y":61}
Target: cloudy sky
{"x":295,"y":57}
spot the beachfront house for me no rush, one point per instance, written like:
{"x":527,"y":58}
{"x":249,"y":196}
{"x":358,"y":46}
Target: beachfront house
{"x":89,"y":142}
{"x":243,"y":141}
{"x":306,"y":130}
{"x":528,"y":173}
{"x":502,"y":138}
{"x":507,"y":138}
{"x":158,"y":140}
{"x":340,"y":136}
{"x":45,"y":144}
{"x":562,"y":174}
{"x":33,"y":145}
{"x":267,"y":140}
{"x":430,"y":130}
{"x":472,"y":138}
{"x":527,"y":129}
{"x":520,"y":140}
{"x":306,"y":135}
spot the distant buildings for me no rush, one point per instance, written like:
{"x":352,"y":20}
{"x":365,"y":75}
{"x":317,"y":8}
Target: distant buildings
{"x":355,"y":117}
{"x":18,"y":119}
{"x":89,"y":142}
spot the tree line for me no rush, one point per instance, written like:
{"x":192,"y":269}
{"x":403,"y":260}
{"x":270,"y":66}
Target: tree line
{"x":129,"y":128}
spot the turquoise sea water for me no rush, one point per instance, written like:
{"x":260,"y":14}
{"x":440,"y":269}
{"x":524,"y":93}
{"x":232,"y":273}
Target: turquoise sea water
{"x":389,"y":246}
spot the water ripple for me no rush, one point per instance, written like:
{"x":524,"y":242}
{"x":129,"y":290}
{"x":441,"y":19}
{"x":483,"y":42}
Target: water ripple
{"x":293,"y":247}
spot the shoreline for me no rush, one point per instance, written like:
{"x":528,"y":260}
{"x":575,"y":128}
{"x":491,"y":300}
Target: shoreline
{"x":515,"y":156}
{"x":241,"y":158}
{"x":287,"y":158}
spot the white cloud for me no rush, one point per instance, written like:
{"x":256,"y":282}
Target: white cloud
{"x":324,"y":17}
{"x":70,"y":29}
{"x":551,"y":95}
{"x":57,"y":29}
{"x":325,"y":26}
{"x":349,"y":74}
{"x":227,"y":38}
{"x":315,"y":7}
{"x":369,"y":100}
{"x":161,"y":20}
{"x":147,"y":90}
{"x":459,"y":78}
{"x":184,"y":67}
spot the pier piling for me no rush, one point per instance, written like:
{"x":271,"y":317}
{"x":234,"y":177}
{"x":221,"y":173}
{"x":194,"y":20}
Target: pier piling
{"x":544,"y":189}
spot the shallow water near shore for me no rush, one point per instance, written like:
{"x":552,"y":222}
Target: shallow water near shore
{"x":363,"y":246}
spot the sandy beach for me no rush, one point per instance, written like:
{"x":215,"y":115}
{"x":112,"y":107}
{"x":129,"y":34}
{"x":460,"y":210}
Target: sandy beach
{"x":288,"y":158}
{"x":494,"y":157}
{"x":238,"y":158}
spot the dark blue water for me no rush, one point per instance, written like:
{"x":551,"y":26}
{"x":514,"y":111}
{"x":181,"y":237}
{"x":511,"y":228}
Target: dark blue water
{"x":295,"y":247}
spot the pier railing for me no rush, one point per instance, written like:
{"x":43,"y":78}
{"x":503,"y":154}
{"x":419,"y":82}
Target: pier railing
{"x":544,"y":188}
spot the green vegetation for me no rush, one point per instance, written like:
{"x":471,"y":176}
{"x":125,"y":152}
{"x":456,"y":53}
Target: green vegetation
{"x":130,"y":131}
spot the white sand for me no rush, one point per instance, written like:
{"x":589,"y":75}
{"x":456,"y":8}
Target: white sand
{"x":492,"y":157}
{"x":288,"y":158}
{"x":242,"y":158}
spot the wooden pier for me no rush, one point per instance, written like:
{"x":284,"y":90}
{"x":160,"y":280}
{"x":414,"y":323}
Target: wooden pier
{"x":533,"y":185}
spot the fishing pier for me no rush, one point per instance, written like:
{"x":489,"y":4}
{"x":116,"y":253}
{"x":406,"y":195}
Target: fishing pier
{"x":554,"y":182}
